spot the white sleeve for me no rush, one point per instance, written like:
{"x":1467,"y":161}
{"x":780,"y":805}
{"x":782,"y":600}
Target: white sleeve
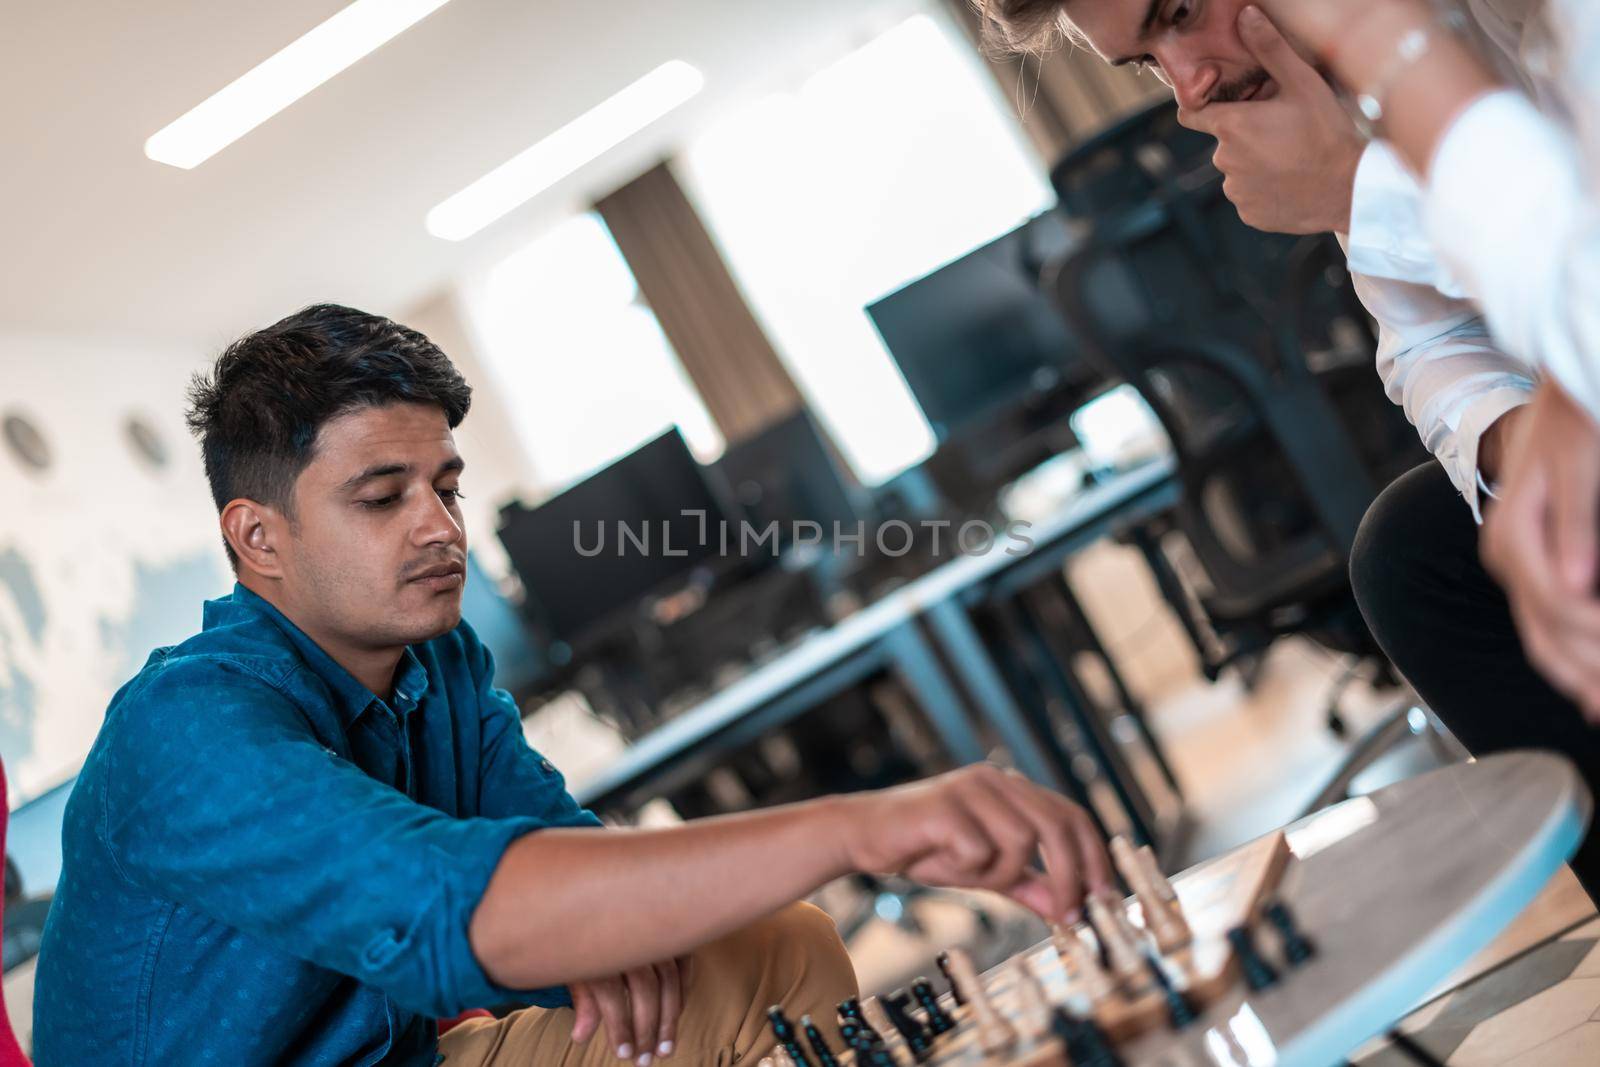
{"x":1507,"y":209}
{"x":1438,"y":363}
{"x":1388,"y":238}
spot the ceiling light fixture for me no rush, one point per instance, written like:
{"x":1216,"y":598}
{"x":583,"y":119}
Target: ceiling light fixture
{"x":280,"y":80}
{"x":590,"y":135}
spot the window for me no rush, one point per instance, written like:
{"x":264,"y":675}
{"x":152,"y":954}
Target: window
{"x":587,"y":374}
{"x":876,"y":170}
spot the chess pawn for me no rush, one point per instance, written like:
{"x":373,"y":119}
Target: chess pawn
{"x":994,"y":1033}
{"x":1110,"y":924}
{"x":939,"y":1020}
{"x":1033,"y":1007}
{"x":944,"y":968}
{"x":1083,"y":966}
{"x":1181,"y":934}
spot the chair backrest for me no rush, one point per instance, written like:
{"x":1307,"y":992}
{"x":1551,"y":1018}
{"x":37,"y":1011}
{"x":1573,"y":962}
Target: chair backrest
{"x":1182,"y":300}
{"x":11,"y":1054}
{"x":1127,"y":162}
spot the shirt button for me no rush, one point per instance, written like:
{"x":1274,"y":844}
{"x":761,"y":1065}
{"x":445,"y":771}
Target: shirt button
{"x":547,"y":766}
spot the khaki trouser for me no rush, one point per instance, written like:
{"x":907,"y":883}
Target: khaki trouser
{"x":793,"y":958}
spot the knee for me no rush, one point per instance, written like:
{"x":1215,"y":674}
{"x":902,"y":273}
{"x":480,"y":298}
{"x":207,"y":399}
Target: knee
{"x":801,"y":943}
{"x":1385,"y":556}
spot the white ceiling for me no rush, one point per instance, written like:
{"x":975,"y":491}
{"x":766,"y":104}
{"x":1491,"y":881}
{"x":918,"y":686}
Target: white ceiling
{"x":325,"y":201}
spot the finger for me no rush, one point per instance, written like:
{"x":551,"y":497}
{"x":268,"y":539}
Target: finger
{"x":1200,"y":120}
{"x":1035,"y":893}
{"x":958,"y":851}
{"x":611,"y":995}
{"x":671,"y":979}
{"x":585,"y":1014}
{"x":1057,"y":844}
{"x":644,"y":996}
{"x":1016,"y":843}
{"x":1575,"y":511}
{"x":1275,"y":54}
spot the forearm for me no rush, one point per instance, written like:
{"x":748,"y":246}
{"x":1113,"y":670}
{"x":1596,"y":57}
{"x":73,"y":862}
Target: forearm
{"x":567,"y":905}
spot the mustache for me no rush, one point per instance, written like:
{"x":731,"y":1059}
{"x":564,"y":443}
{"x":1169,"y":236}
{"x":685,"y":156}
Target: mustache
{"x":421,"y":566}
{"x":1236,"y":91}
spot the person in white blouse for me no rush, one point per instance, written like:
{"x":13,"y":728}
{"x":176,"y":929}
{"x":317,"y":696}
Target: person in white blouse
{"x":1294,"y":161}
{"x":1510,"y":210}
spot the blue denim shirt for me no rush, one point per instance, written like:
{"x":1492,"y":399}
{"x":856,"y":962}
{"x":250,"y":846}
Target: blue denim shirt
{"x":265,"y":863}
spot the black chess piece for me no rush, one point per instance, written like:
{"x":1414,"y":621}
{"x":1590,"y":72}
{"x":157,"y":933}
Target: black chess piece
{"x":1087,"y":1045}
{"x":928,"y":1000}
{"x":850,"y":1012}
{"x":1179,"y":1011}
{"x":788,"y":1040}
{"x":1297,"y":947}
{"x":867,"y":1045}
{"x":1258,"y":973}
{"x":819,"y":1045}
{"x":918,"y":1040}
{"x":1099,"y":943}
{"x":943,"y":961}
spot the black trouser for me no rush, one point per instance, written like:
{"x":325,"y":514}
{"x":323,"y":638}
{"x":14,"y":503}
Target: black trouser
{"x":1447,"y":626}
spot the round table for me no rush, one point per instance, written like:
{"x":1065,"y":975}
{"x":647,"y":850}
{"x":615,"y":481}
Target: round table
{"x":1398,"y":889}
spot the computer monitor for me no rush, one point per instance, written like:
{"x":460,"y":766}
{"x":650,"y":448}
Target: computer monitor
{"x":979,"y":334}
{"x":787,"y":474}
{"x":590,"y":554}
{"x":519,"y":663}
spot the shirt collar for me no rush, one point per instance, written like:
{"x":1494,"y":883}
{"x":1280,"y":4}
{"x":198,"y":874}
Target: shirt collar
{"x":351,"y":698}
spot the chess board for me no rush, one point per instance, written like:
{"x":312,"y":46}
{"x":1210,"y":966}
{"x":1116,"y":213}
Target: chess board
{"x":1214,"y":899}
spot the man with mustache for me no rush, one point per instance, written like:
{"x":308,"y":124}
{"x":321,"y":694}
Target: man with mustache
{"x":314,"y":828}
{"x":1294,"y":162}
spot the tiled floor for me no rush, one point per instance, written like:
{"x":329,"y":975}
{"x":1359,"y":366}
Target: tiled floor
{"x":1541,"y":1009}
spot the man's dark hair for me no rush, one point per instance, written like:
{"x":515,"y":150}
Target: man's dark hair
{"x":258,"y":412}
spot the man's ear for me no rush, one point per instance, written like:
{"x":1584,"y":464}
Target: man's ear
{"x":255,"y":531}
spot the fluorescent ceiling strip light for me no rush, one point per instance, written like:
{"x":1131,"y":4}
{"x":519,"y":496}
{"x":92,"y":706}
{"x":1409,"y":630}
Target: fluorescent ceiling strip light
{"x":274,"y":84}
{"x":590,"y":135}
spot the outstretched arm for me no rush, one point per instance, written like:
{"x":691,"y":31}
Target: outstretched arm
{"x":572,"y":904}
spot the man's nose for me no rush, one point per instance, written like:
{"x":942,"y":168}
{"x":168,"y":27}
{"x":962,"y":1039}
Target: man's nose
{"x":1192,"y":82}
{"x":436,"y":525}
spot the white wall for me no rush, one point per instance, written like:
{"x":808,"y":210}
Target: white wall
{"x":113,"y":553}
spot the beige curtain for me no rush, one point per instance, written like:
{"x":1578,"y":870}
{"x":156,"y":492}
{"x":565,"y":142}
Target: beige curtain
{"x":682,"y":275}
{"x":1063,"y":96}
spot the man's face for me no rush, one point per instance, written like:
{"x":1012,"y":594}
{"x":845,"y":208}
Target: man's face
{"x":1192,"y":45}
{"x":377,"y":554}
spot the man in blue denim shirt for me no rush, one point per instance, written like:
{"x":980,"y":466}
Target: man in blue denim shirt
{"x":314,"y":828}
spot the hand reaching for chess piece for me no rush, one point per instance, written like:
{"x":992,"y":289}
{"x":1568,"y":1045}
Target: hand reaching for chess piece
{"x":984,"y":828}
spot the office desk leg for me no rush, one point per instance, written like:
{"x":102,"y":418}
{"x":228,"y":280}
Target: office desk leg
{"x":918,"y":669}
{"x":1125,"y":697}
{"x":1046,"y":661}
{"x":977,"y":671}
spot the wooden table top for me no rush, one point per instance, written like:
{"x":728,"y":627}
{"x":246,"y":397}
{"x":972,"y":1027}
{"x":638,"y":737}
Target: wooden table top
{"x":1398,"y":889}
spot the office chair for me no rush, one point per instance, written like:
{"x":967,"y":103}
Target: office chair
{"x":1128,"y":162}
{"x":1255,"y":356}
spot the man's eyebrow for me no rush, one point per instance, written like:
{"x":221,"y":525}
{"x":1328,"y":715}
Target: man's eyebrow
{"x":1150,"y":15}
{"x":454,"y":464}
{"x":381,"y":470}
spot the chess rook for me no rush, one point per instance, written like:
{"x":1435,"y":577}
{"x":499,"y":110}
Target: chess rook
{"x":1258,"y":973}
{"x":1297,"y":948}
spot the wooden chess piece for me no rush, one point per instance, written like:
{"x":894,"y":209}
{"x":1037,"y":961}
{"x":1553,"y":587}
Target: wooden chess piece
{"x":1082,"y":965}
{"x":1033,"y":1006}
{"x":1162,"y":915}
{"x":1116,"y":936}
{"x":995,"y":1034}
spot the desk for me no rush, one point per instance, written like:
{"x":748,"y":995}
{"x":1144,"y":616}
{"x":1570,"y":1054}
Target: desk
{"x":886,"y":635}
